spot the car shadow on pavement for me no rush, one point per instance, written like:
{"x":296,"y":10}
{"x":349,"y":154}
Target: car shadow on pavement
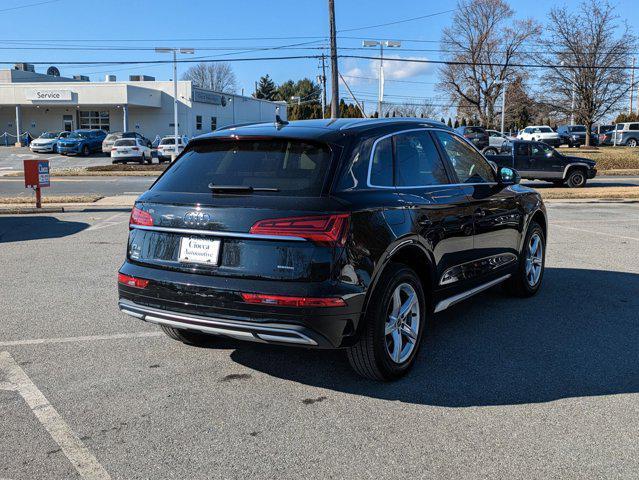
{"x":35,"y":227}
{"x":578,"y":337}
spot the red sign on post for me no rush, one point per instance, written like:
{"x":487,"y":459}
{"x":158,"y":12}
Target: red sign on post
{"x":36,"y":176}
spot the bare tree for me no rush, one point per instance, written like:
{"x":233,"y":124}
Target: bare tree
{"x":424,"y":110}
{"x":482,"y":44}
{"x":213,"y":76}
{"x":587,"y":51}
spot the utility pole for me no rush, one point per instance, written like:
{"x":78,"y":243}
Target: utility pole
{"x":323,"y":82}
{"x":632,"y":85}
{"x":334,"y":72}
{"x":572,"y":104}
{"x":175,"y":51}
{"x":503,"y":107}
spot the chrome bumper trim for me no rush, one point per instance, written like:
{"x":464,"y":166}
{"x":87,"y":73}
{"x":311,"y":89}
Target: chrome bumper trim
{"x":253,"y":332}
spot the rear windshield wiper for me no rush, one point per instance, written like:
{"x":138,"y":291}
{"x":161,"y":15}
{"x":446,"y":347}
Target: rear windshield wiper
{"x":240,"y":188}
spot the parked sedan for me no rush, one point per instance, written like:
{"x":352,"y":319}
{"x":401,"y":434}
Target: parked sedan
{"x":495,"y":141}
{"x":127,"y":150}
{"x":47,"y":142}
{"x":342,"y":234}
{"x":110,"y":139}
{"x":81,"y":142}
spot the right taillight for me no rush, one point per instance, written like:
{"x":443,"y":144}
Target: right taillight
{"x":323,"y":229}
{"x":140,"y":217}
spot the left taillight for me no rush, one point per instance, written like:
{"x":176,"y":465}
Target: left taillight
{"x":140,"y":217}
{"x":132,"y":281}
{"x":323,"y":229}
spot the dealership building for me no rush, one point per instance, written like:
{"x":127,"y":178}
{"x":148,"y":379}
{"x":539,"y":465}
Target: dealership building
{"x":35,"y":102}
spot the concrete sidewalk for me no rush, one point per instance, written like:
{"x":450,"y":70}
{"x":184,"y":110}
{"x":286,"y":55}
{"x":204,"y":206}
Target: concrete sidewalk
{"x":122,"y":201}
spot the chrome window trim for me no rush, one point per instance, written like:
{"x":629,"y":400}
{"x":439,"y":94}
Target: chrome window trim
{"x":450,"y":301}
{"x":215,"y":233}
{"x":427,"y":129}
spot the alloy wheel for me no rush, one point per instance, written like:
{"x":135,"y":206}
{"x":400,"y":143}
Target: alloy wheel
{"x":402,"y":326}
{"x":534,"y":260}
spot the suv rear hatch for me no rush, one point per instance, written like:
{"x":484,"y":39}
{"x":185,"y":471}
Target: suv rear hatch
{"x":251,"y":208}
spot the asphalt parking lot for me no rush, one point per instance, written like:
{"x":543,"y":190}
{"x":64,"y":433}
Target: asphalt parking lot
{"x":505,"y":388}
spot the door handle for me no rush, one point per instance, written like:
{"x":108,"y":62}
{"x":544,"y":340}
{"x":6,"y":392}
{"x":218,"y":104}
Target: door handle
{"x":480,"y":213}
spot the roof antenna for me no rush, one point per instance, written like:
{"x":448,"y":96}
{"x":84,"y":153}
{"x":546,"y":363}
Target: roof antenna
{"x":279,"y":123}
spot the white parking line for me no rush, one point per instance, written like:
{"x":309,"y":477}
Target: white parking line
{"x":595,"y":232}
{"x":87,"y":338}
{"x":80,"y":457}
{"x":108,"y":222}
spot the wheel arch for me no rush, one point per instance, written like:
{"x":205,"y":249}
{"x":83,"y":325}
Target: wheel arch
{"x":414,"y":255}
{"x":572,"y":166}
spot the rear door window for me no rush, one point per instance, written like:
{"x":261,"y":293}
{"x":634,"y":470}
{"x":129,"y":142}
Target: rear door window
{"x":417,"y":161}
{"x":294,"y":167}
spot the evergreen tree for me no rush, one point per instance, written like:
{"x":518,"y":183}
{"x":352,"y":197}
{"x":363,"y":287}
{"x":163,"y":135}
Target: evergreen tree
{"x":449,"y":123}
{"x":456,"y":123}
{"x":463,"y":122}
{"x":266,"y":88}
{"x":441,"y":119}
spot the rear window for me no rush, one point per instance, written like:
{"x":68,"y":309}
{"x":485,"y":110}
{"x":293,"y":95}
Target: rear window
{"x":292,"y":166}
{"x":124,"y":142}
{"x":170,"y":141}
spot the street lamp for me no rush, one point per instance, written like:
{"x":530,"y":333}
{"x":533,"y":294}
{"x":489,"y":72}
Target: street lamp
{"x":503,"y":102}
{"x":175,"y":51}
{"x":381,"y":44}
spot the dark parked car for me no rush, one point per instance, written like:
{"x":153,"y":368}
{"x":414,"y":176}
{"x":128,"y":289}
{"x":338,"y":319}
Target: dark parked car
{"x":538,"y":161}
{"x":81,"y":142}
{"x":575,"y":135}
{"x":328,"y":234}
{"x":475,"y":135}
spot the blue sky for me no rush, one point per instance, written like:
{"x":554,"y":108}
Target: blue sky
{"x":40,"y":31}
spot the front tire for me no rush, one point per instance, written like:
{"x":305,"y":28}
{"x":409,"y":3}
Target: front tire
{"x":490,"y":151}
{"x":189,"y":337}
{"x":85,"y":151}
{"x":526,"y":281}
{"x":632,"y":142}
{"x":576,"y":178}
{"x":393,"y":326}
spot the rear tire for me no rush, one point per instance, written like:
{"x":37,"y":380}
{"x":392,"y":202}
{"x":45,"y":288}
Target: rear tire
{"x":526,"y":282}
{"x":632,"y":142}
{"x":85,"y":151}
{"x":142,"y":160}
{"x":376,"y":355}
{"x":576,"y":178}
{"x":189,"y":337}
{"x":490,"y":151}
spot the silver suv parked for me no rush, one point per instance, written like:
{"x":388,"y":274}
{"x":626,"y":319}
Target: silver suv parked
{"x":626,"y":134}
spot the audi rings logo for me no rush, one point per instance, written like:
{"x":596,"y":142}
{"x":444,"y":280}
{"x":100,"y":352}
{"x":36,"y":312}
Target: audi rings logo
{"x":198,"y":219}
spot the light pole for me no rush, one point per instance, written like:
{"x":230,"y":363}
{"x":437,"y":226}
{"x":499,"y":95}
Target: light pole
{"x":503,"y":102}
{"x":381,"y":44}
{"x":175,"y":51}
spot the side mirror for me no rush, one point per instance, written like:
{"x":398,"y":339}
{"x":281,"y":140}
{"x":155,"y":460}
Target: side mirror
{"x":509,"y":176}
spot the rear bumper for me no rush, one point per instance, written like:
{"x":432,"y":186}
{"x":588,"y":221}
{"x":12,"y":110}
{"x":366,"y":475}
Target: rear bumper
{"x":213,"y":304}
{"x":279,"y":333}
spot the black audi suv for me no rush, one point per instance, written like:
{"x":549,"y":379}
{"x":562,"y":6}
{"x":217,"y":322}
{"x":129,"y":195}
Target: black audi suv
{"x":344,"y":234}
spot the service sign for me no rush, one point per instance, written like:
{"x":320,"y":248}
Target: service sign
{"x":38,"y":95}
{"x":36,"y":173}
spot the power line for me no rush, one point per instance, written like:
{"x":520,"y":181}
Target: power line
{"x":397,"y":21}
{"x":160,"y":62}
{"x":28,"y":5}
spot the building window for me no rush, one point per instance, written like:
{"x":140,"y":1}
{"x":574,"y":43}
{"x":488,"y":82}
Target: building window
{"x":198,"y":122}
{"x":213,"y":123}
{"x":95,"y":120}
